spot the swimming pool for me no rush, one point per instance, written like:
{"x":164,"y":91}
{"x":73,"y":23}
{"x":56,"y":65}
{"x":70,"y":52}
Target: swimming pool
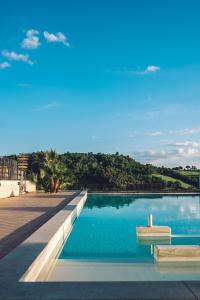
{"x":105,"y":230}
{"x":103,"y":238}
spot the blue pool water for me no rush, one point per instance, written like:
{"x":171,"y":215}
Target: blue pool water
{"x":106,"y":227}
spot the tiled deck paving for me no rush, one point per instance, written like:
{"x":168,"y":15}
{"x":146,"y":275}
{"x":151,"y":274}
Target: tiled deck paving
{"x":21,"y":216}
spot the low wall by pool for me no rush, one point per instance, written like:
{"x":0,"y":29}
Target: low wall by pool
{"x":11,"y":188}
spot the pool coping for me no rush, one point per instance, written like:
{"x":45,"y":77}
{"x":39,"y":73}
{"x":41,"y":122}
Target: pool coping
{"x":70,"y":212}
{"x":147,"y":193}
{"x":20,"y":262}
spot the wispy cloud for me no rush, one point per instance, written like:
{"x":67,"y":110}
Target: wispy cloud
{"x":147,"y":70}
{"x":58,"y":37}
{"x":185,"y":131}
{"x":175,"y":156}
{"x":182,"y":131}
{"x":154,"y":133}
{"x":150,"y":155}
{"x":151,"y":69}
{"x":47,"y":106}
{"x":17,"y":57}
{"x":175,"y":153}
{"x":151,"y":114}
{"x":184,"y":144}
{"x":4,"y":65}
{"x":179,"y":132}
{"x":135,"y":133}
{"x":32,"y":40}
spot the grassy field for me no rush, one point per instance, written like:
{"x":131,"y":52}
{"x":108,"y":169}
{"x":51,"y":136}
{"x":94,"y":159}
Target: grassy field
{"x":170,"y":179}
{"x":190,"y":173}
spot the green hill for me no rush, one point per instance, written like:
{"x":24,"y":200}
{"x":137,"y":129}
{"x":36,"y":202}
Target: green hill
{"x":171,"y":180}
{"x":105,"y":172}
{"x":190,"y":173}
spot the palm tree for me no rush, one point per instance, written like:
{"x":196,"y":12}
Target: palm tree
{"x":49,"y":169}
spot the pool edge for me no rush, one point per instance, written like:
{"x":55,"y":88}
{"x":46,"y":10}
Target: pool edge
{"x":70,"y":213}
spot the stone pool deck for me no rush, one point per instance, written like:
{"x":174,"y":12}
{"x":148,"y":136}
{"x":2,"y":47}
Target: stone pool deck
{"x":21,"y":216}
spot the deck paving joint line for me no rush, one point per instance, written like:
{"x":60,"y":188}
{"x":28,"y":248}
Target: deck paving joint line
{"x":190,"y":289}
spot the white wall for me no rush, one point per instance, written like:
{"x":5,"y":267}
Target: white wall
{"x":30,"y":186}
{"x":10,"y":188}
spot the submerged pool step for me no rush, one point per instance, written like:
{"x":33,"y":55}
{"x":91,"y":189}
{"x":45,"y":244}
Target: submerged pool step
{"x":177,"y":253}
{"x":153,"y":231}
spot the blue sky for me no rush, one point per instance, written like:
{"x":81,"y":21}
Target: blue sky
{"x":101,"y":76}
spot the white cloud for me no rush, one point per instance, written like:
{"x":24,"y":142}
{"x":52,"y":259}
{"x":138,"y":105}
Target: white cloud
{"x":179,"y":132}
{"x":133,"y":134}
{"x":47,"y":106}
{"x":32,"y":40}
{"x":32,"y":32}
{"x":185,"y":131}
{"x":151,"y":114}
{"x":4,"y":65}
{"x":154,"y":133}
{"x":150,"y":155}
{"x":178,"y":156}
{"x":17,"y":57}
{"x":58,"y":37}
{"x":184,"y":144}
{"x":146,"y":115}
{"x":187,"y":152}
{"x":151,"y":69}
{"x":148,"y":70}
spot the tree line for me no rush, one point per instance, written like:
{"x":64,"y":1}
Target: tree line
{"x":52,"y":171}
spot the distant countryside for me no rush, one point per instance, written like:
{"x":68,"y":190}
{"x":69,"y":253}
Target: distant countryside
{"x":106,"y":172}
